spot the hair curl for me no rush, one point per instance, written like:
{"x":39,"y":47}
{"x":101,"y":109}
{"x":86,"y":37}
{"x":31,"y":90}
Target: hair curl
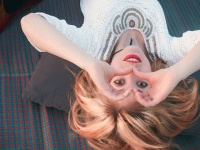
{"x":93,"y":116}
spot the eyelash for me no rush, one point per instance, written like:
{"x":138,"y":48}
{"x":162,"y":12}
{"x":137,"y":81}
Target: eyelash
{"x":119,"y":82}
{"x":140,"y":84}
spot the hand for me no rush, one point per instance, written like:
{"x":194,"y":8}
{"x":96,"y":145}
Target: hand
{"x":102,"y":73}
{"x":161,"y":83}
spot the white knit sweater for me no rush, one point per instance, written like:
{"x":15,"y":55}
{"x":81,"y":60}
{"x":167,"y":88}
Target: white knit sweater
{"x":106,"y":20}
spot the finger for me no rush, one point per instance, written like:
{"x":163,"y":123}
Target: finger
{"x":144,"y":94}
{"x":123,"y":71}
{"x":148,"y":98}
{"x":117,"y":95}
{"x":141,"y":75}
{"x":112,"y":93}
{"x":143,"y":86}
{"x":108,"y":89}
{"x":144,"y":100}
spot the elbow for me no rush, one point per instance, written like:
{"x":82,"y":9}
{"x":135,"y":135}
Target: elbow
{"x":26,"y":19}
{"x":28,"y":22}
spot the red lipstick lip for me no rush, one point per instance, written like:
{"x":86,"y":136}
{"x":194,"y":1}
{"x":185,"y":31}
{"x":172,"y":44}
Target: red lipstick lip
{"x":132,"y":56}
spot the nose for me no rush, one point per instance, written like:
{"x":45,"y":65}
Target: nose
{"x":137,"y":83}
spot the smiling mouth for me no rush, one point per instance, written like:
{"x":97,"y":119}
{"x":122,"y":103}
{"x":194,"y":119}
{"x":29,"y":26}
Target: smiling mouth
{"x":132,"y":58}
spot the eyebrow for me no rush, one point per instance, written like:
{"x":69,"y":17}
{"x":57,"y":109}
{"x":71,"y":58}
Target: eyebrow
{"x":117,"y":52}
{"x":131,"y":43}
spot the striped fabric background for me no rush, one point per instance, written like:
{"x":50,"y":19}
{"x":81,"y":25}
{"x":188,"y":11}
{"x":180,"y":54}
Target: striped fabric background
{"x":26,"y":125}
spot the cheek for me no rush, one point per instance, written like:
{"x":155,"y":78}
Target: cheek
{"x":145,"y":67}
{"x":148,"y":66}
{"x":115,"y":62}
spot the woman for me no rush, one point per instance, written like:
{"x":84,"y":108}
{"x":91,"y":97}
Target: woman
{"x":120,"y":103}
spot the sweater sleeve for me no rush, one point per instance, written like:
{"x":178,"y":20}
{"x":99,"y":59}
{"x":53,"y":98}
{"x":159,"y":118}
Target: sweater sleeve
{"x":73,"y":33}
{"x":61,"y":25}
{"x":182,"y":45}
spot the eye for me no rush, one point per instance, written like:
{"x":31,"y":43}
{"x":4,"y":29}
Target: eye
{"x":120,"y":82}
{"x":142,"y":84}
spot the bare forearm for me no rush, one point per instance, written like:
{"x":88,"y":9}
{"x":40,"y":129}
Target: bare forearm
{"x":189,"y":64}
{"x":47,"y":38}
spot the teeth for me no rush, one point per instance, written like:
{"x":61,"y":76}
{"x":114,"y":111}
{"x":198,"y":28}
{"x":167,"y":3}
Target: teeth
{"x":133,"y":59}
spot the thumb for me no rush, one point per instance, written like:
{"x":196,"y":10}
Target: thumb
{"x":141,"y":75}
{"x":114,"y":94}
{"x":123,"y":71}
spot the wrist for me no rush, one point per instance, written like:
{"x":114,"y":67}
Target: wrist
{"x":189,"y":63}
{"x":178,"y":72}
{"x":89,"y":63}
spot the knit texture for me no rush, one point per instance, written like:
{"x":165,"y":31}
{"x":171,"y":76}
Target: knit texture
{"x":106,"y":20}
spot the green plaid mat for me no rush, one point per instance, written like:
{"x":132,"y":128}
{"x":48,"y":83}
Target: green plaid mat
{"x":26,"y":125}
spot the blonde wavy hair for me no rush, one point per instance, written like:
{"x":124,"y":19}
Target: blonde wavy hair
{"x":93,"y":116}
